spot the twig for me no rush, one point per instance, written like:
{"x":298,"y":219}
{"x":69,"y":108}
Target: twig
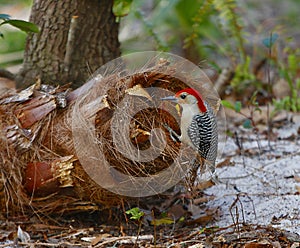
{"x":29,"y":244}
{"x":269,"y":95}
{"x":154,"y":227}
{"x":131,"y":238}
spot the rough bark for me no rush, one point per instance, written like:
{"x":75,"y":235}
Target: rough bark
{"x":76,"y":37}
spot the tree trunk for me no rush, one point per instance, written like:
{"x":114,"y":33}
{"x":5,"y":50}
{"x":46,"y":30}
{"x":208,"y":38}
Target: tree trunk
{"x":76,"y":37}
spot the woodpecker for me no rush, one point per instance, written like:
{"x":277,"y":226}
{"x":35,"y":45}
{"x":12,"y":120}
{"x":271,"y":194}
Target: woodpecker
{"x":198,"y":125}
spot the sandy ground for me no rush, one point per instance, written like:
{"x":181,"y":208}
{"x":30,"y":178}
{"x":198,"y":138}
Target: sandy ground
{"x":262,"y":186}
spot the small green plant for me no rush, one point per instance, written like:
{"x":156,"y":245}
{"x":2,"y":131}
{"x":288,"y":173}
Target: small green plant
{"x":235,"y":44}
{"x":252,"y":105}
{"x":243,"y":77}
{"x":269,"y":43}
{"x":288,"y":71}
{"x":233,"y":24}
{"x":198,"y":21}
{"x":287,"y":103}
{"x":121,"y":8}
{"x":136,"y":214}
{"x":20,"y":24}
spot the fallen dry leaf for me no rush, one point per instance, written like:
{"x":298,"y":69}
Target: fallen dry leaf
{"x":225,"y":162}
{"x":297,"y":179}
{"x":203,"y":199}
{"x":202,"y":220}
{"x":99,"y":238}
{"x":204,"y":185}
{"x":298,"y":188}
{"x":176,"y":212}
{"x":257,"y":245}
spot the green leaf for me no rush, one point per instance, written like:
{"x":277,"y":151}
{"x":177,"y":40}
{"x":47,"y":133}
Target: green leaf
{"x":121,"y":7}
{"x":269,"y":42}
{"x":181,"y":219}
{"x":163,"y":221}
{"x":237,"y":106}
{"x":22,"y":25}
{"x":293,"y":63}
{"x":298,"y":83}
{"x":4,"y":17}
{"x":208,"y":229}
{"x":227,"y":104}
{"x":247,"y":124}
{"x":136,"y":213}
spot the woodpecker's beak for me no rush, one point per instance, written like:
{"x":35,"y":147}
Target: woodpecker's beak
{"x":172,"y":99}
{"x":169,"y":98}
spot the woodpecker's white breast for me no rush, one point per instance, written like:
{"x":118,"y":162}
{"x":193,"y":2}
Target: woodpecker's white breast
{"x":188,"y":112}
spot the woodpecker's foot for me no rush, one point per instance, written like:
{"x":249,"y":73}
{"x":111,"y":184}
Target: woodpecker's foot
{"x":174,"y":136}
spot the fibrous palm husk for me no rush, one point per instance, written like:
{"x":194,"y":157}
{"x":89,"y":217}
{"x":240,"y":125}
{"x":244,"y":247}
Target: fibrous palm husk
{"x":41,"y":164}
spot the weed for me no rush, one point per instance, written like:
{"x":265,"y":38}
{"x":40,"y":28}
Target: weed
{"x":136,"y":214}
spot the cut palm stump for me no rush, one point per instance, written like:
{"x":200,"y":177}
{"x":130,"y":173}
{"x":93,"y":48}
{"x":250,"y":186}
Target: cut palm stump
{"x":40,"y":169}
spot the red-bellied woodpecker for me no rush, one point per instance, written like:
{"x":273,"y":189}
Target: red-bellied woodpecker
{"x":198,"y":125}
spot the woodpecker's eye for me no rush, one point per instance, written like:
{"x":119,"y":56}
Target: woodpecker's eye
{"x":183,"y":96}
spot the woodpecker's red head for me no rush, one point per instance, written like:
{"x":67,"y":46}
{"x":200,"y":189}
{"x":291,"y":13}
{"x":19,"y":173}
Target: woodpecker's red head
{"x":188,"y":96}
